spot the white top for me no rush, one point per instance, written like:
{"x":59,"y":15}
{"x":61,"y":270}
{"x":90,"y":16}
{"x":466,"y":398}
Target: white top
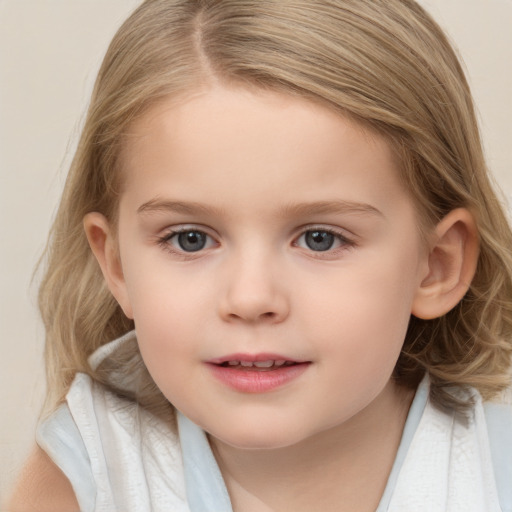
{"x":118,"y":456}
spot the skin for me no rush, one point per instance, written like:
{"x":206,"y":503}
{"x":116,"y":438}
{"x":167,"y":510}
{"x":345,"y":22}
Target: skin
{"x":41,"y":487}
{"x":257,"y":173}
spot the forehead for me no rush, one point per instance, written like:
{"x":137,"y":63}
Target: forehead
{"x":225,"y":110}
{"x":241,"y":140}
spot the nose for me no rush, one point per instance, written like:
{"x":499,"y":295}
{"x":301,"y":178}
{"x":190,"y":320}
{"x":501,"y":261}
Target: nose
{"x":253,"y":292}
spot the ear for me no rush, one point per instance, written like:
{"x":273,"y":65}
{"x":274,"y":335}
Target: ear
{"x":104,"y":246}
{"x":452,"y":262}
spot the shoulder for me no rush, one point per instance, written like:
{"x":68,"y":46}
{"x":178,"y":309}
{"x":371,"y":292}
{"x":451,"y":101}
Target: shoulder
{"x":42,"y":487}
{"x":111,"y":449}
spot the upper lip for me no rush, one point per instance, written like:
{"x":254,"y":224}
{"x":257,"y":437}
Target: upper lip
{"x":254,"y":358}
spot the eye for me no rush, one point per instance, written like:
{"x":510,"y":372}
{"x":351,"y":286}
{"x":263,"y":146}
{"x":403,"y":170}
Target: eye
{"x":191,"y":241}
{"x":321,"y":240}
{"x":187,"y":240}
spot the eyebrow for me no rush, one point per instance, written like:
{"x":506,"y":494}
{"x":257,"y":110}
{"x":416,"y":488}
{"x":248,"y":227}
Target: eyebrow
{"x":158,"y":205}
{"x":188,"y":208}
{"x":329,"y":207}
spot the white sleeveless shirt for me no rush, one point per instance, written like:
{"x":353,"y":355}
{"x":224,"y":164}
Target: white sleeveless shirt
{"x":120,"y":457}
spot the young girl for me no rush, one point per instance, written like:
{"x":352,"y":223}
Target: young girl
{"x":280,"y":212}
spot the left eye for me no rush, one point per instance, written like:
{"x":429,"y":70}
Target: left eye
{"x":320,"y":240}
{"x":190,"y":240}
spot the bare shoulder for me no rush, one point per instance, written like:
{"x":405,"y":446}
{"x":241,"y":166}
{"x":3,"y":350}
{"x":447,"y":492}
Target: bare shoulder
{"x":42,"y":487}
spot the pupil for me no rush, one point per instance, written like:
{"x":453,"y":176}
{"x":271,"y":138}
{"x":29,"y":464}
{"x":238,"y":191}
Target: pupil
{"x":319,"y":240}
{"x":192,"y":241}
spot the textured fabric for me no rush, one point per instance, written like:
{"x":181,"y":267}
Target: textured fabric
{"x":134,"y":458}
{"x":60,"y":438}
{"x":448,"y":467}
{"x":119,"y":457}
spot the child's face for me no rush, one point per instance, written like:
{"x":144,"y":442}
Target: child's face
{"x":257,"y":226}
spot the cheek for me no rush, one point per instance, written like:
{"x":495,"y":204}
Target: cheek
{"x":169,"y":347}
{"x":168,"y":320}
{"x":171,"y":307}
{"x":364,"y":312}
{"x":160,"y":292}
{"x":165,"y":316}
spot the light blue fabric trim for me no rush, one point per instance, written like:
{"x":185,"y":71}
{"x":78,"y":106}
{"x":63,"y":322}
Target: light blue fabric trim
{"x":410,"y":427}
{"x":206,"y":490}
{"x":499,"y":428}
{"x":60,"y":438}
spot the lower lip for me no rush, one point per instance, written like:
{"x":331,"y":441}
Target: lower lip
{"x":257,"y":381}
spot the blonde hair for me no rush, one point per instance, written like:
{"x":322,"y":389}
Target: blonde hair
{"x":385,"y":63}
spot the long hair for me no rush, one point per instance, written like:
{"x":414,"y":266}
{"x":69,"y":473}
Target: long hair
{"x":385,"y":64}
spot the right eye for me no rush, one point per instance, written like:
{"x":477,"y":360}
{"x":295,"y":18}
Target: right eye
{"x":188,"y":240}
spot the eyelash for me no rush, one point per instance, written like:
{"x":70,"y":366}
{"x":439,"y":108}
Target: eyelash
{"x":165,"y":241}
{"x":344,"y":242}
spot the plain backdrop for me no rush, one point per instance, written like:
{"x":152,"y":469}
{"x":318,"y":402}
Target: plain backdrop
{"x":50,"y":51}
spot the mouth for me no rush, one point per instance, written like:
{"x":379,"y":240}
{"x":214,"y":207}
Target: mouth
{"x":262,"y":366}
{"x":255,"y":362}
{"x":256,"y":373}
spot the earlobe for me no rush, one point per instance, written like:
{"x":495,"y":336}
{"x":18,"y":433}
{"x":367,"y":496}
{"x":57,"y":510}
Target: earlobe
{"x":104,"y":247}
{"x":452,"y":262}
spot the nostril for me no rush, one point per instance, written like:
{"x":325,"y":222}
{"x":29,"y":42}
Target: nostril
{"x":253,"y":308}
{"x":270,"y":315}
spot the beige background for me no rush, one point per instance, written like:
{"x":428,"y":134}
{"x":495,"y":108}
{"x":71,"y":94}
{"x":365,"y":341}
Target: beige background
{"x":49,"y":53}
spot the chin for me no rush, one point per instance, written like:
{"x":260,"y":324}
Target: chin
{"x":256,"y":443}
{"x":258,"y":437}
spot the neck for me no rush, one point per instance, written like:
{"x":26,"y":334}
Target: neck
{"x":342,"y":469}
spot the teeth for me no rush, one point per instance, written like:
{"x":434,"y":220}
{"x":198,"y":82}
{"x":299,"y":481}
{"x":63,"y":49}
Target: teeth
{"x":259,"y":364}
{"x":263,"y":364}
